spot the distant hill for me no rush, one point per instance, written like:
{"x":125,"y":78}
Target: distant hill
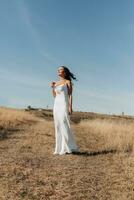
{"x":77,"y":116}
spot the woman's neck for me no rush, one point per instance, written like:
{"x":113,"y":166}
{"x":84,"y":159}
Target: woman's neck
{"x":62,"y":79}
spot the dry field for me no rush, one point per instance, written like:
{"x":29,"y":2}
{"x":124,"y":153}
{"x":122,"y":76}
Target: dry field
{"x":102,"y":170}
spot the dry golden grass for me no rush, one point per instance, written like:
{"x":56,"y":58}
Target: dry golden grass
{"x":12,"y":117}
{"x":30,"y":171}
{"x":117,"y":135}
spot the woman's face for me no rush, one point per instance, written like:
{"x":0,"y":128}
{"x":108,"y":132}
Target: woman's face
{"x":61,"y":72}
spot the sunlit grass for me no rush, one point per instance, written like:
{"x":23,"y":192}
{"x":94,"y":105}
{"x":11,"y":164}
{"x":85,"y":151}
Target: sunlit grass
{"x":117,"y":135}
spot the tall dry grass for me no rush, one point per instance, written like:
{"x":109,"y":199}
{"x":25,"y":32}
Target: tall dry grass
{"x":118,"y":135}
{"x":12,"y":117}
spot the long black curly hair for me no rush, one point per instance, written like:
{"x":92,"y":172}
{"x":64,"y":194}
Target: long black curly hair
{"x":69,"y":75}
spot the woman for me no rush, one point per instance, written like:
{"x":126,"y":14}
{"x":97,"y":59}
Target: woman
{"x":62,"y":92}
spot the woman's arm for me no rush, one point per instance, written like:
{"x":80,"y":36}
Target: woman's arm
{"x":70,"y":96}
{"x":53,"y":91}
{"x":70,"y":103}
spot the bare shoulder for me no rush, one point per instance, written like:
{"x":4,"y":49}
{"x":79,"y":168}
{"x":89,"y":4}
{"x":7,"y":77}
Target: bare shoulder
{"x":69,"y":82}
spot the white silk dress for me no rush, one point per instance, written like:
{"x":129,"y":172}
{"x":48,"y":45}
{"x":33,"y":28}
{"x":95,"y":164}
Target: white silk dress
{"x":64,"y":137}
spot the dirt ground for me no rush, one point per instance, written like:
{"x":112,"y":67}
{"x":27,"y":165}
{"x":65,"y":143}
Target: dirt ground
{"x":30,"y":171}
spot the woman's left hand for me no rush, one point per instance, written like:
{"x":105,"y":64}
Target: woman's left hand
{"x":70,"y":110}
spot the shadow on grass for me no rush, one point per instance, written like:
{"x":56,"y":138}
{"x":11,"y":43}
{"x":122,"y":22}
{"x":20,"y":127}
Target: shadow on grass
{"x":94,"y":153}
{"x":5,"y":133}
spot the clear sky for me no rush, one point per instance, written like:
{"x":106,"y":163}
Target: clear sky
{"x":94,"y":38}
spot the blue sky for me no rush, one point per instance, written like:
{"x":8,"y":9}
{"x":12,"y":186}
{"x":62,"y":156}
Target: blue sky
{"x":94,"y":38}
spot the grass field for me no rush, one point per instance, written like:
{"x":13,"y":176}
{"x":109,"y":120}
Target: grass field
{"x":103,"y":169}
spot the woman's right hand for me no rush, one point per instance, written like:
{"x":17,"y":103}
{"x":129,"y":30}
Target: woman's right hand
{"x":52,"y":84}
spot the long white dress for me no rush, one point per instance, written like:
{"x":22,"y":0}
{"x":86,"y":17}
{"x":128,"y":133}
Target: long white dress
{"x":64,"y":137}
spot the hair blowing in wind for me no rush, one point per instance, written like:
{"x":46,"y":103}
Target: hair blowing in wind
{"x":69,"y":75}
